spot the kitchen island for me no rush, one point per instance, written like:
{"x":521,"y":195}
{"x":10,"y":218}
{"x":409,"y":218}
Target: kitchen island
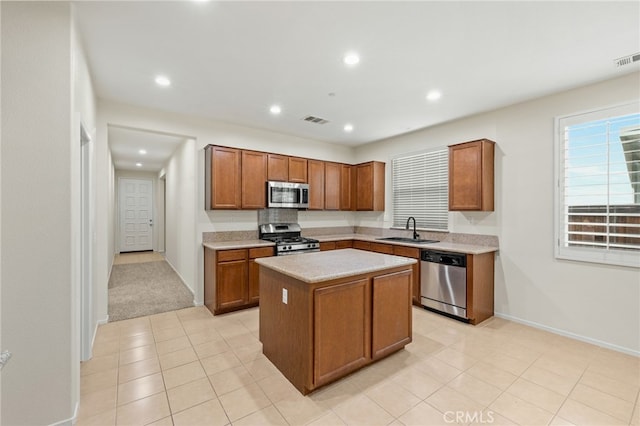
{"x":324,"y":315}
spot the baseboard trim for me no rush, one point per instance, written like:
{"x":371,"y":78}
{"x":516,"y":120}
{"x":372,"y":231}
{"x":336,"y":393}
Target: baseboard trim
{"x":569,"y":334}
{"x":70,"y":421}
{"x":181,"y":279}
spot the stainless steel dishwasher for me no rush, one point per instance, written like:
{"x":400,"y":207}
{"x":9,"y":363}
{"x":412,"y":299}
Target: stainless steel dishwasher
{"x":443,"y":282}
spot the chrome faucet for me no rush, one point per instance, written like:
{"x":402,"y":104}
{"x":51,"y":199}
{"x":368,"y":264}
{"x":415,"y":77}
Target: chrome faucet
{"x":415,"y":234}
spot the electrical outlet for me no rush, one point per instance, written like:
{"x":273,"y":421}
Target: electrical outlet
{"x":285,"y":296}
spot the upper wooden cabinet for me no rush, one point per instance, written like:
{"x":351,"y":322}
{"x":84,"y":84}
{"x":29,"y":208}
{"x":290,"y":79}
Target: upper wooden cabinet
{"x":254,"y":177}
{"x":316,"y":184}
{"x":332,"y":189}
{"x":236,"y":179}
{"x":370,"y":186}
{"x":278,"y":167}
{"x":298,"y":170}
{"x":471,"y":175}
{"x":347,"y":187}
{"x":223,"y":170}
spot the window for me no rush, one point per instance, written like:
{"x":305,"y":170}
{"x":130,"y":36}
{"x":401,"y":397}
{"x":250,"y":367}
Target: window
{"x":421,"y":189}
{"x":598,"y":197}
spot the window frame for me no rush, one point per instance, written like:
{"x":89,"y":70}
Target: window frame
{"x":605,"y":256}
{"x":444,"y":149}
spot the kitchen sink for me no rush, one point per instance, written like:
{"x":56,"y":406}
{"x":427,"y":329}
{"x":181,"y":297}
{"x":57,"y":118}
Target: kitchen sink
{"x":408,"y":240}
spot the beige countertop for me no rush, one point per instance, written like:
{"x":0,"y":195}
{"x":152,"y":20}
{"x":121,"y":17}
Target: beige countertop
{"x":228,"y":245}
{"x":333,"y":264}
{"x":444,"y":246}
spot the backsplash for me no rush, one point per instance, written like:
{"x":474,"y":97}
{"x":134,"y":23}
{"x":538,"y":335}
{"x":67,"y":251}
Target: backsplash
{"x":473,"y":239}
{"x":277,"y":216}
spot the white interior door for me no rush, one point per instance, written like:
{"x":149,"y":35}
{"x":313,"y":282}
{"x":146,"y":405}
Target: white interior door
{"x":136,"y":214}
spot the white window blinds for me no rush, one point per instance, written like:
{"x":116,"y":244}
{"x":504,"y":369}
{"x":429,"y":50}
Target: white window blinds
{"x":420,"y":189}
{"x":599,"y":186}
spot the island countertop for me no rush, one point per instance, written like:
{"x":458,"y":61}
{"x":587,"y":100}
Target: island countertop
{"x":333,"y":264}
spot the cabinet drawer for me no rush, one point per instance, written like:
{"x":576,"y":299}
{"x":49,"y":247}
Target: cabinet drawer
{"x":228,"y":255}
{"x":344,"y":244}
{"x":327,"y":245}
{"x":362,"y":245}
{"x":260,"y":252}
{"x":407,"y":252}
{"x":382,"y":248}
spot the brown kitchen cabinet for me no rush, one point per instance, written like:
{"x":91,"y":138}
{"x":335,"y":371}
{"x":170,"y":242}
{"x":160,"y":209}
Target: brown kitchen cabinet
{"x":278,"y":167}
{"x":480,"y":286}
{"x":332,"y":188}
{"x":370,"y":186}
{"x":231,"y":279}
{"x":397,"y":250}
{"x":254,"y":178}
{"x":316,"y":184}
{"x":327,"y":245}
{"x":223,"y":170}
{"x":471,"y":176}
{"x":347,"y":187}
{"x":298,"y":170}
{"x":342,"y":320}
{"x":328,"y":329}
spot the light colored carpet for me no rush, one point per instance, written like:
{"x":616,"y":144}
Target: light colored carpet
{"x":140,"y":289}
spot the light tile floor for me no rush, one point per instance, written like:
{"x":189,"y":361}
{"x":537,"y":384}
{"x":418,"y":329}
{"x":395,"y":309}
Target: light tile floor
{"x":189,"y":368}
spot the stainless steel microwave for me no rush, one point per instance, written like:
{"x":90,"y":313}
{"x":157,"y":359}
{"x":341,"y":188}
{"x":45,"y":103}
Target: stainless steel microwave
{"x":287,"y":195}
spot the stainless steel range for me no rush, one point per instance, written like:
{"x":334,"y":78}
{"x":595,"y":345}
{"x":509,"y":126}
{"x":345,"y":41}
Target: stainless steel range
{"x":287,"y":238}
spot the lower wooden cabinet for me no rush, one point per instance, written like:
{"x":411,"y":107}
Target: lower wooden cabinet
{"x":231,"y":279}
{"x":390,"y":318}
{"x":341,"y":330}
{"x":328,"y":329}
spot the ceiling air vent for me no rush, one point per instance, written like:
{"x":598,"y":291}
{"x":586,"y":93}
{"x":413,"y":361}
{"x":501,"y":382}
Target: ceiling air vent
{"x":316,"y":120}
{"x":626,"y":60}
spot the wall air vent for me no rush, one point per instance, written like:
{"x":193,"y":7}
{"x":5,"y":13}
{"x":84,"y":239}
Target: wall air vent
{"x":316,"y":120}
{"x":626,"y":60}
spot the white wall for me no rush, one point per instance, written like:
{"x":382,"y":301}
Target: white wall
{"x":40,"y":210}
{"x":597,"y":303}
{"x":181,"y":204}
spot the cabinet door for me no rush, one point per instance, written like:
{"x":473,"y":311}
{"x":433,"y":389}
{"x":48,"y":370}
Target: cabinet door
{"x":391,"y":313}
{"x":225,"y":178}
{"x":342,"y":334}
{"x":381,"y":248}
{"x":316,"y":184}
{"x":332,"y":190}
{"x":231,"y":284}
{"x":254,"y":178}
{"x":413,"y":253}
{"x":298,"y":170}
{"x":254,"y":271}
{"x":370,"y":186}
{"x":347,"y":187}
{"x":278,"y":167}
{"x":471,"y":176}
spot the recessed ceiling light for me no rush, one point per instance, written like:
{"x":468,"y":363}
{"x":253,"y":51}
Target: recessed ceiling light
{"x":142,"y":151}
{"x":163,"y":81}
{"x":351,"y":58}
{"x":275,"y":109}
{"x":434,"y":95}
{"x":348,"y":127}
{"x":138,"y":164}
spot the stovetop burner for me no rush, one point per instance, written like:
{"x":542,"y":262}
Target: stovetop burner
{"x":287,"y":238}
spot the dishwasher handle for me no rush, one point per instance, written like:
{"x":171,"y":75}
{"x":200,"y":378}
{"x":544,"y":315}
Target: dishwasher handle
{"x":444,"y":258}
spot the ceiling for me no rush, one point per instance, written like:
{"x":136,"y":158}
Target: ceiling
{"x":126,"y":144}
{"x":230,"y":61}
